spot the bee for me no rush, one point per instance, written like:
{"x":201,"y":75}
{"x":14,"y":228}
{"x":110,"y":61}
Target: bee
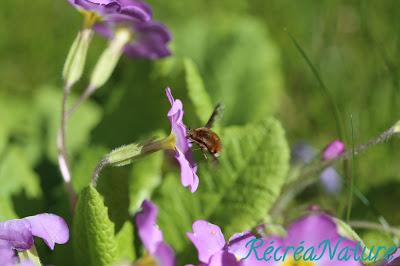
{"x":208,"y":140}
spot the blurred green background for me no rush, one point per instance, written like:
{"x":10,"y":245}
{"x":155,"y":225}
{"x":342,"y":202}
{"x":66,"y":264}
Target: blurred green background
{"x":248,"y":61}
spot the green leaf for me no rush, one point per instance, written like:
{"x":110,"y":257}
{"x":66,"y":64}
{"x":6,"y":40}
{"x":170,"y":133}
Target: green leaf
{"x":259,"y":158}
{"x":237,"y":193}
{"x":113,"y":184}
{"x":197,"y":92}
{"x":16,"y":177}
{"x":93,"y":232}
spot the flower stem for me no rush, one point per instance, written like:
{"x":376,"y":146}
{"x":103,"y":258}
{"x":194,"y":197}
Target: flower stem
{"x":351,"y":177}
{"x":85,"y":95}
{"x":99,"y":167}
{"x":62,"y":150}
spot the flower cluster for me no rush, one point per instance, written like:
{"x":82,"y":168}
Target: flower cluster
{"x":146,"y":38}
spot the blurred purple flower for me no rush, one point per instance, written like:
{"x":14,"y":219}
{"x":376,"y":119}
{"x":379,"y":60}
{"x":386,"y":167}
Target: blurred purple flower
{"x":130,"y":9}
{"x":159,"y":252}
{"x":149,"y":39}
{"x":182,"y":154}
{"x":17,"y":235}
{"x":302,"y":153}
{"x":331,"y":181}
{"x":333,"y":150}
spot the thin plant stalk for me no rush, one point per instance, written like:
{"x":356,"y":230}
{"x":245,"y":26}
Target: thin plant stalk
{"x":351,"y":177}
{"x":84,"y":96}
{"x":63,"y":160}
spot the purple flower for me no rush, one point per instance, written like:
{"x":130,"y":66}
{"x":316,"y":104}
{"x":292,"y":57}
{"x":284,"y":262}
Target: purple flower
{"x":17,"y":235}
{"x":302,"y":153}
{"x":148,"y":39}
{"x":333,"y":150}
{"x":103,"y":9}
{"x":212,"y":248}
{"x":331,"y":181}
{"x":182,"y":151}
{"x":159,"y":252}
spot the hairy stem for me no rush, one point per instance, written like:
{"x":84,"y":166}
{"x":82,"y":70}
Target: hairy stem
{"x":99,"y":167}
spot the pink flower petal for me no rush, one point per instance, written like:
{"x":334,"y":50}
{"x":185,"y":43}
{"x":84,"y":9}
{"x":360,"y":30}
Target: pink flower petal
{"x":207,"y":238}
{"x":51,"y":228}
{"x":149,"y":232}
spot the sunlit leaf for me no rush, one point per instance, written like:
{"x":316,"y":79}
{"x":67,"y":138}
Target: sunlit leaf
{"x":237,"y":193}
{"x":93,"y":232}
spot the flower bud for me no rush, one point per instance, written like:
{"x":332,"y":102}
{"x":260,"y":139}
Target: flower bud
{"x":124,"y":155}
{"x":109,"y":58}
{"x":75,"y":63}
{"x":333,"y":150}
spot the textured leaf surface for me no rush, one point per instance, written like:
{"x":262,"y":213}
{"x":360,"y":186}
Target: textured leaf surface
{"x":197,"y":92}
{"x":238,"y":192}
{"x":93,"y":232}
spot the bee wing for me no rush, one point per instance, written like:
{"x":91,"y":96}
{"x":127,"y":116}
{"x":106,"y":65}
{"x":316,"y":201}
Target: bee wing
{"x":215,"y":114}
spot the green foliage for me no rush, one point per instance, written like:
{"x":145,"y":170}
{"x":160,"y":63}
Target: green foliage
{"x":79,"y":125}
{"x":373,"y":239}
{"x":237,"y":193}
{"x":229,"y":51}
{"x":84,"y":166}
{"x":239,"y":59}
{"x":93,"y":232}
{"x":197,"y":91}
{"x":125,"y":241}
{"x":114,"y":186}
{"x":17,"y":179}
{"x":145,"y":177}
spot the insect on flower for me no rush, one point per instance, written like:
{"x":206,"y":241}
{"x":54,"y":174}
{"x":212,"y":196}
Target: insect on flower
{"x":207,"y":139}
